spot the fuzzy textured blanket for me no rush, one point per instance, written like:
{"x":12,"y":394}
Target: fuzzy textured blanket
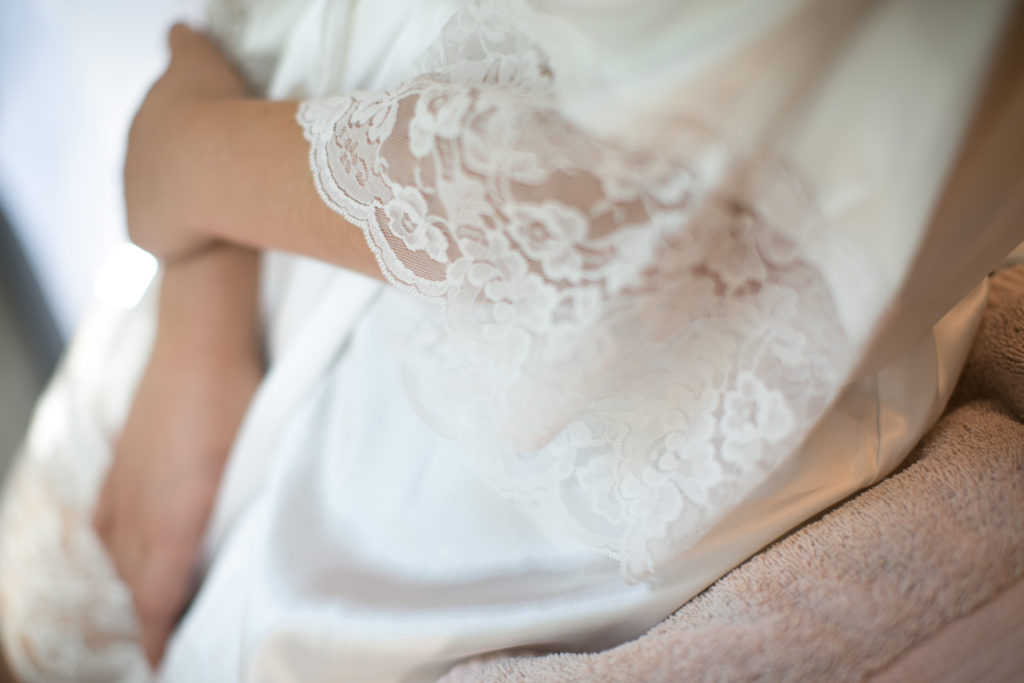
{"x":869,"y":588}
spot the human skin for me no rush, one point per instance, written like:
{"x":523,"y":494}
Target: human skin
{"x":204,"y":368}
{"x":205,"y":163}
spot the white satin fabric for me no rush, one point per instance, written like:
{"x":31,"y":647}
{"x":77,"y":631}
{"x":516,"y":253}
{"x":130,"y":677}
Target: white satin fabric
{"x":350,"y":539}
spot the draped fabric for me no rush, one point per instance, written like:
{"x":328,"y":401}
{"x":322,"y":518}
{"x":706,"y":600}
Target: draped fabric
{"x":655,"y":297}
{"x":630,"y":339}
{"x":634,"y":330}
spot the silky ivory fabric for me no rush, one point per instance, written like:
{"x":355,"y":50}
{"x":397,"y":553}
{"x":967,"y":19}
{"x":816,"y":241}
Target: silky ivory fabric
{"x":665,"y":282}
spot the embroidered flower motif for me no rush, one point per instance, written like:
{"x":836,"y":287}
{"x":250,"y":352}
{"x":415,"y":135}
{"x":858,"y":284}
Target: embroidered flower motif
{"x":375,"y":115}
{"x":439,"y":113}
{"x":672,"y":187}
{"x":689,"y":458}
{"x":658,"y":502}
{"x":550,"y":233}
{"x":528,"y":302}
{"x":408,"y":220}
{"x":731,"y":254}
{"x":492,"y":146}
{"x":752,"y":414}
{"x":352,"y":163}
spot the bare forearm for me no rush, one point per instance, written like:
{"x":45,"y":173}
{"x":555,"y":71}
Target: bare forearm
{"x":237,"y":170}
{"x":168,"y":460}
{"x":208,"y":306}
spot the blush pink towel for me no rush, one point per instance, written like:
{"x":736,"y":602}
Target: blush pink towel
{"x":844,"y":596}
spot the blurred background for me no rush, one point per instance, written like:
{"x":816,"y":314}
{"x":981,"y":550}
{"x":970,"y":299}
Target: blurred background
{"x":72,"y":75}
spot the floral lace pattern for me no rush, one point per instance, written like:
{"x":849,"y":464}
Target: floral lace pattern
{"x":630,"y":339}
{"x":69,"y":618}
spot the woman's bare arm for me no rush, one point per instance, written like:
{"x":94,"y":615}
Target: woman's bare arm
{"x":204,"y":368}
{"x":205,"y":163}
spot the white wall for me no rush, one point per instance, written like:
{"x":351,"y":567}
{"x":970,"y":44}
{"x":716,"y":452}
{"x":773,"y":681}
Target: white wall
{"x":72,"y":74}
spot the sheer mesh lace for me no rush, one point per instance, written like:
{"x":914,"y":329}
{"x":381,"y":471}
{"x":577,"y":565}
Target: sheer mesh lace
{"x":67,"y":615}
{"x":628,"y":338}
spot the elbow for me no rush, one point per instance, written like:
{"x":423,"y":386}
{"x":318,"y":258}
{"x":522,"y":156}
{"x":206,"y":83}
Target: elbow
{"x":154,"y":216}
{"x":156,"y":177}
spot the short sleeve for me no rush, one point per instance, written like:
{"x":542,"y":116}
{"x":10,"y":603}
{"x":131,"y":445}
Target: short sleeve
{"x":627,"y":339}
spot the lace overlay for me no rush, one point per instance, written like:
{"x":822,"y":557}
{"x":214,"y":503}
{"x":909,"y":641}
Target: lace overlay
{"x":628,"y":339}
{"x":70,"y":617}
{"x":65,"y":615}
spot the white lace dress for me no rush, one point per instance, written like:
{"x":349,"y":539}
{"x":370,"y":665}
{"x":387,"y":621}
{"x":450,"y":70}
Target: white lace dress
{"x":660,"y":289}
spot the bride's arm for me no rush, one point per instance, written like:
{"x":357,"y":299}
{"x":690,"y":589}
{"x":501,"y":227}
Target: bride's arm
{"x":205,"y":163}
{"x":237,"y":170}
{"x":205,"y":366}
{"x":202,"y":372}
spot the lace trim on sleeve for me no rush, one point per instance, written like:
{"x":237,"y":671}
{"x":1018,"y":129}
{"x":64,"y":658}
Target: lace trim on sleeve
{"x":629,"y":339}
